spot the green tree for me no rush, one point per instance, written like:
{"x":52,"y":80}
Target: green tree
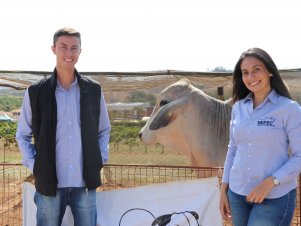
{"x":8,"y":103}
{"x":8,"y":129}
{"x":220,"y":69}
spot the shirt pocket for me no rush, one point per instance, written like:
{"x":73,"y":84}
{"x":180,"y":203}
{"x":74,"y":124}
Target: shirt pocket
{"x":270,"y":129}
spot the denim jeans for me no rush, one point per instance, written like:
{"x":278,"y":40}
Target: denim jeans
{"x":271,"y":212}
{"x":51,"y":210}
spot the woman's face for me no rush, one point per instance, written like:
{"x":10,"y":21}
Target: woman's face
{"x":255,"y":76}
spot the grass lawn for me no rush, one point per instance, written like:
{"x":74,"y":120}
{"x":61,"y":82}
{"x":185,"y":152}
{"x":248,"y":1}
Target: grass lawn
{"x":152,"y":155}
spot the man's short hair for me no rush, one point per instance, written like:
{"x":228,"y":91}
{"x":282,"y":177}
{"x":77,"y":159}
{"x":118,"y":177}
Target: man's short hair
{"x":66,"y":31}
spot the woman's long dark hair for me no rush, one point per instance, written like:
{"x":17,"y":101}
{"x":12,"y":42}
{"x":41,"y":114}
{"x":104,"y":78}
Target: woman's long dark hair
{"x":240,"y":91}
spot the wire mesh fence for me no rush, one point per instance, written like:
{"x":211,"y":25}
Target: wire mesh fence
{"x":12,"y":177}
{"x":115,"y":176}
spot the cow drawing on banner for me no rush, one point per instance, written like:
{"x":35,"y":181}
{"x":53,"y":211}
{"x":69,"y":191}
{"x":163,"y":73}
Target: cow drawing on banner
{"x":188,"y":121}
{"x":185,"y":218}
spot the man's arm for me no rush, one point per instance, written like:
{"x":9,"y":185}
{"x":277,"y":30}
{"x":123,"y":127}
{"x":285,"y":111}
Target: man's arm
{"x":104,"y":129}
{"x":24,"y":134}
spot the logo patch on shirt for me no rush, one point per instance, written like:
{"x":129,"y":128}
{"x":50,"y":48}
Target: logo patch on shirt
{"x":268,"y":121}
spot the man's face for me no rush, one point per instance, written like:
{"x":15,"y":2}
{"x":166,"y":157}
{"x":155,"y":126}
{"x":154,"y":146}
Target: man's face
{"x":67,"y":50}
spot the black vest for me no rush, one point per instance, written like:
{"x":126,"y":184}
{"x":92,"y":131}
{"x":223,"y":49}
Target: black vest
{"x":44,"y":118}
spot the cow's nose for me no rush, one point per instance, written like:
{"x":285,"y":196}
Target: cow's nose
{"x":140,"y":135}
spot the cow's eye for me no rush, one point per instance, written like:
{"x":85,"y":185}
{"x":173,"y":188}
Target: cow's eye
{"x":163,"y":102}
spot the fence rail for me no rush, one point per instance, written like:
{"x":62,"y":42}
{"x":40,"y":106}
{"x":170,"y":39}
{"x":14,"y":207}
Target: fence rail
{"x":114,"y":177}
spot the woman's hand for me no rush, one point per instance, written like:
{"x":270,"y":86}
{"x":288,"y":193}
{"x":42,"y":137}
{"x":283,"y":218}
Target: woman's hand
{"x":258,"y":194}
{"x":224,"y":206}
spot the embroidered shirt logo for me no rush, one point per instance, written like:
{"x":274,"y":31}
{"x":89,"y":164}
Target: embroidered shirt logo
{"x":268,"y":121}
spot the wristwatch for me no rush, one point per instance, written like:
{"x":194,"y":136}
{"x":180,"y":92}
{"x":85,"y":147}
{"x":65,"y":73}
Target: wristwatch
{"x":275,"y":181}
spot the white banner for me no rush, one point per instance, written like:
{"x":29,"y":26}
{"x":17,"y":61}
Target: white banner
{"x":183,"y":203}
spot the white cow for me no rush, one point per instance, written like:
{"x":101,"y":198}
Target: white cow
{"x":188,"y":121}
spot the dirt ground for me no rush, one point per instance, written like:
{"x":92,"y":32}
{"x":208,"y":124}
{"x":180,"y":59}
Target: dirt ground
{"x":12,"y":177}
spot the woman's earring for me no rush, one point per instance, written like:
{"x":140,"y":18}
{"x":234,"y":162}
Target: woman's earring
{"x":271,"y":75}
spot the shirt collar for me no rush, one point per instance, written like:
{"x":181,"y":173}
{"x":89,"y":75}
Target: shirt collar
{"x":272,"y":97}
{"x":72,"y":84}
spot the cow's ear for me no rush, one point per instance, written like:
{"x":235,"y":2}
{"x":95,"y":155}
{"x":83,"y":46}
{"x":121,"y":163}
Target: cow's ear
{"x":168,"y":113}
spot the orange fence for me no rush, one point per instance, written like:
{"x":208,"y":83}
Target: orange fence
{"x":114,"y":177}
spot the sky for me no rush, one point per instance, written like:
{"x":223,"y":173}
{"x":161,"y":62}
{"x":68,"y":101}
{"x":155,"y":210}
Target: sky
{"x":149,"y":35}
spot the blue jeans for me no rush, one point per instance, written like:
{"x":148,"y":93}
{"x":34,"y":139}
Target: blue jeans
{"x":271,"y":212}
{"x":51,"y":210}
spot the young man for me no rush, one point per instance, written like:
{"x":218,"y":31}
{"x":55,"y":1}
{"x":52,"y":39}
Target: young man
{"x":67,"y":116}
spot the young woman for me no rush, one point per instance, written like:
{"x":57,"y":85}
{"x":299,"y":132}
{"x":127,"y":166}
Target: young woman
{"x":264,"y":152}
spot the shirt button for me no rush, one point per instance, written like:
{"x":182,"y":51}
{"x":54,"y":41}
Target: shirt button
{"x":248,"y":180}
{"x":250,"y":144}
{"x":69,"y":123}
{"x":70,"y":137}
{"x":248,"y":168}
{"x":249,"y":156}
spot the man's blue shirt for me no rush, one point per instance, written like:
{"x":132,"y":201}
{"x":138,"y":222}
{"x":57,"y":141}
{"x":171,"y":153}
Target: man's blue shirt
{"x":69,"y":156}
